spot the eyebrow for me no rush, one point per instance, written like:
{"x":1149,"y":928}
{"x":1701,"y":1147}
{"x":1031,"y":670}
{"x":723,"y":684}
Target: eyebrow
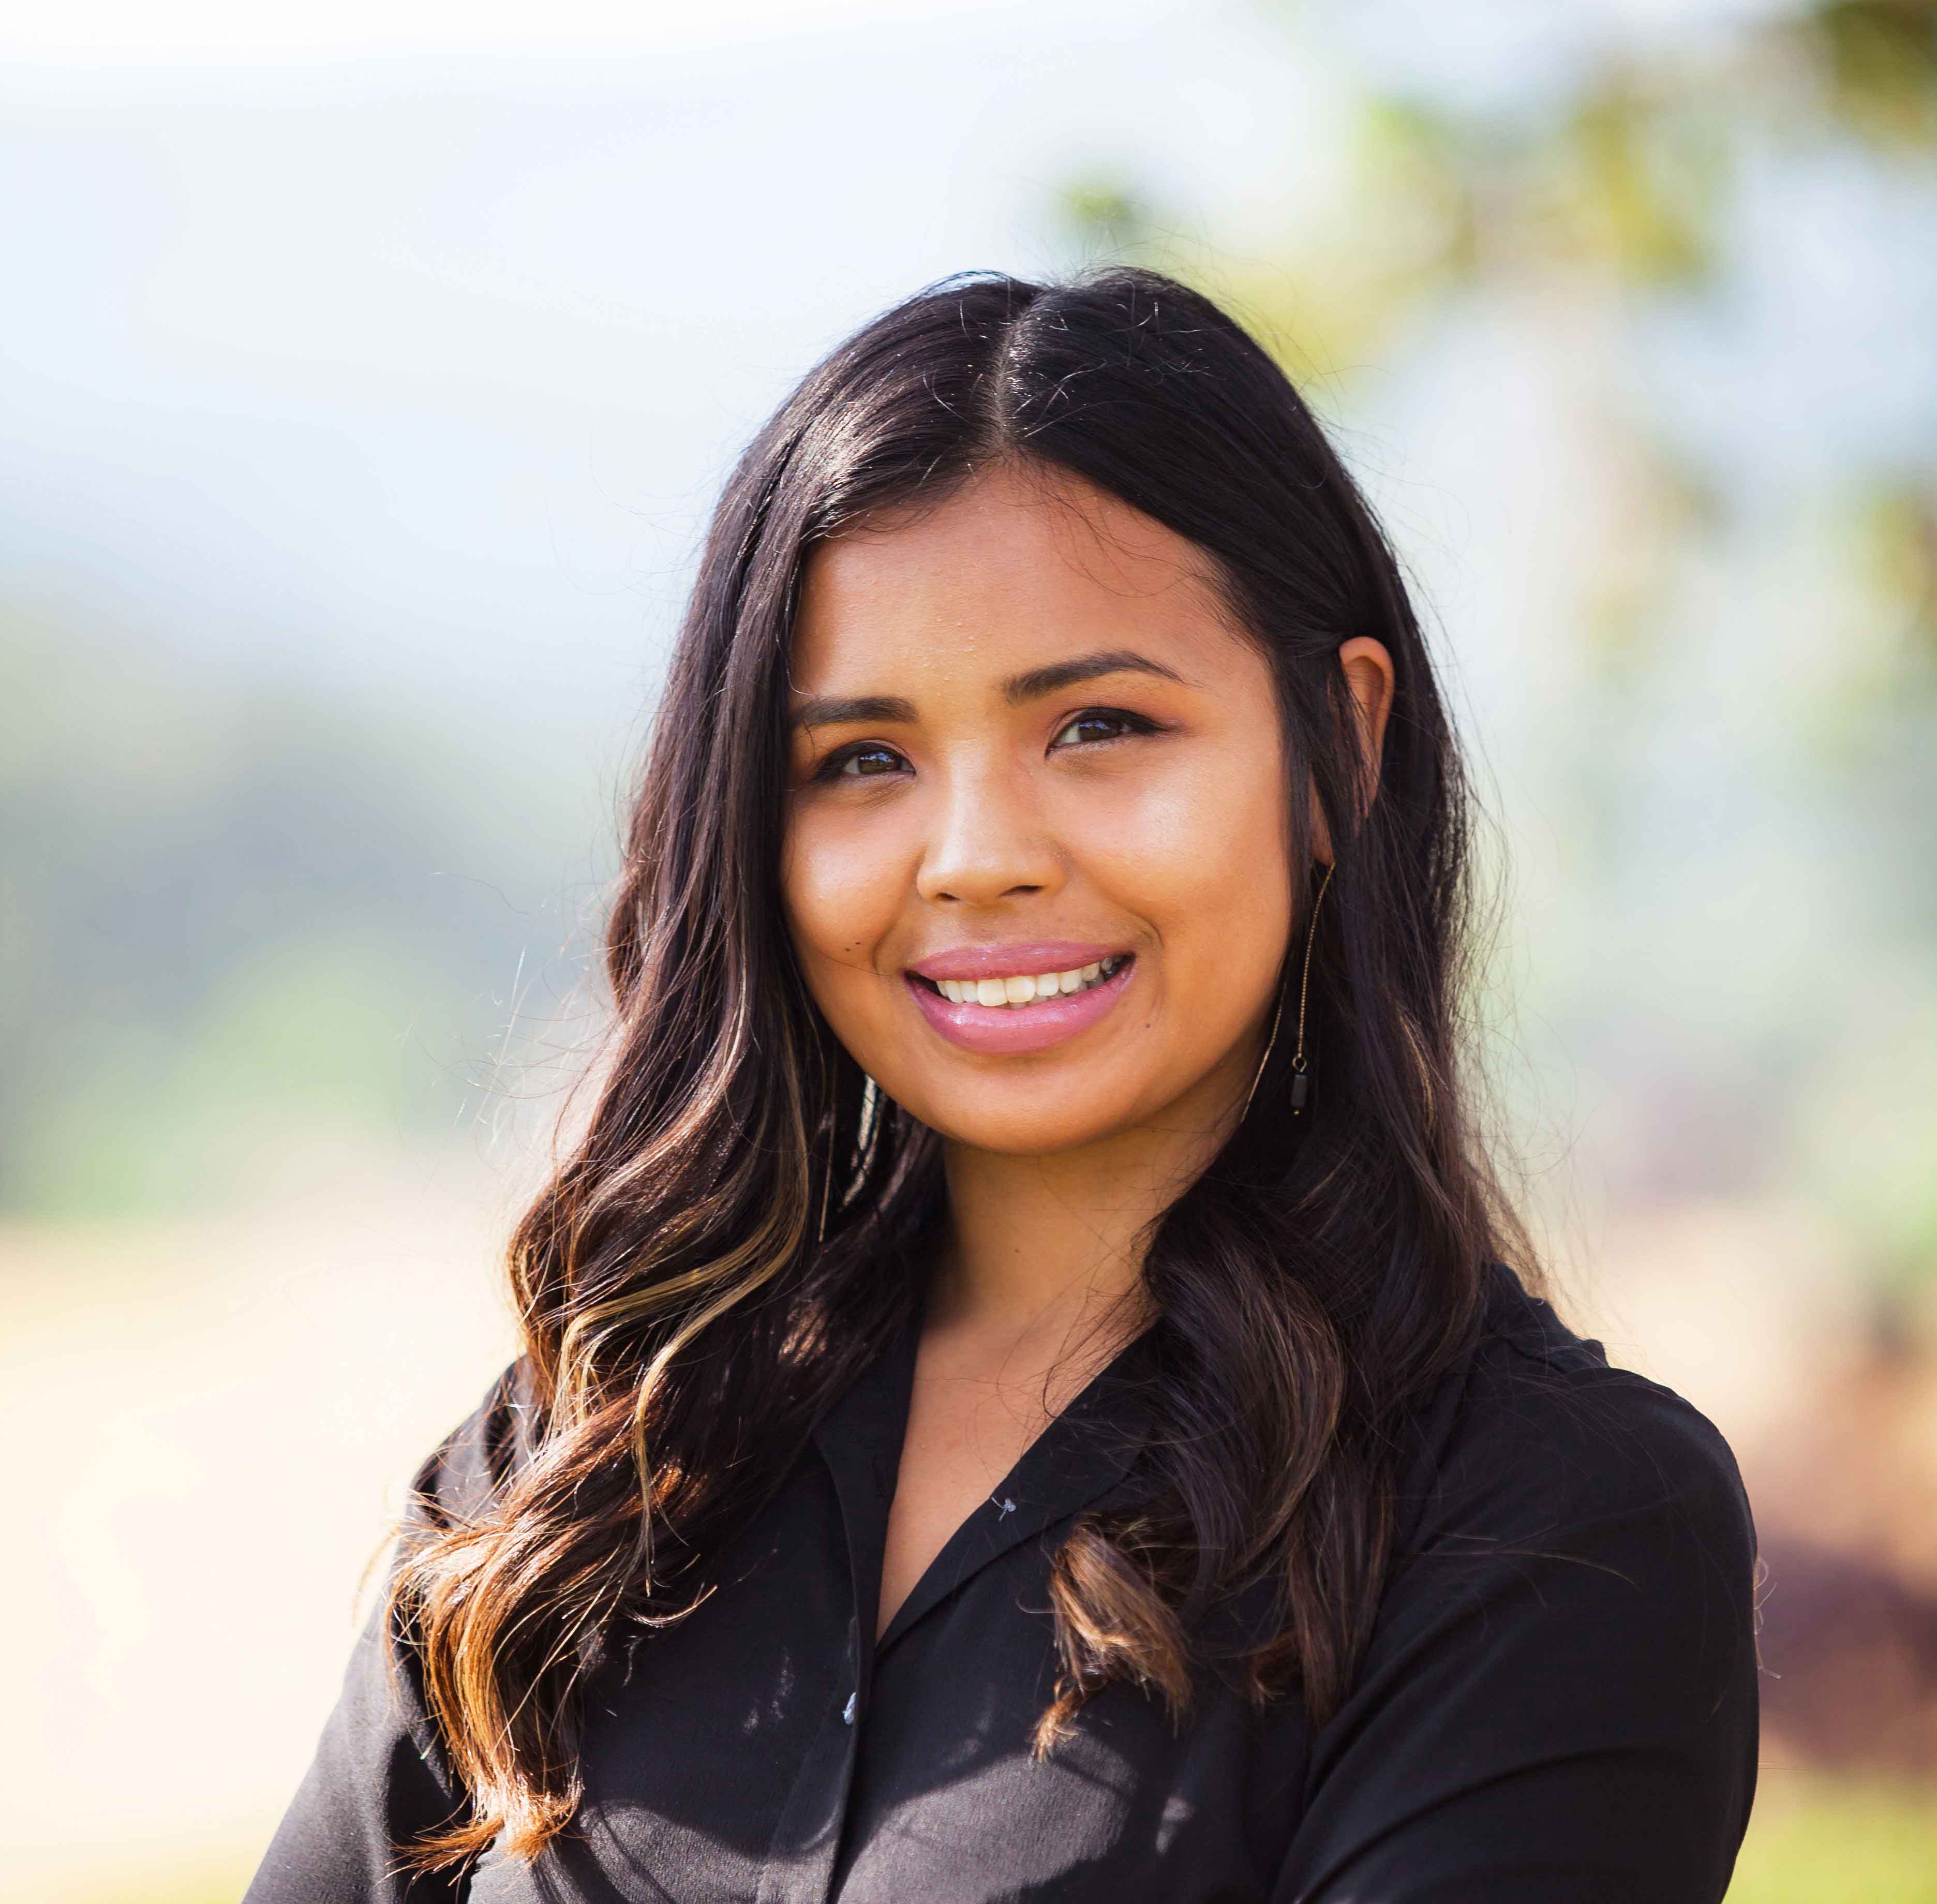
{"x":1084,"y":667}
{"x":827,"y":710}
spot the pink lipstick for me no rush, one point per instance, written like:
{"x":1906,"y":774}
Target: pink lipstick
{"x":1020,"y":996}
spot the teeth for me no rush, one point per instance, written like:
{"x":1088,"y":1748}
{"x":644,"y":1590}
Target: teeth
{"x":1018,"y":992}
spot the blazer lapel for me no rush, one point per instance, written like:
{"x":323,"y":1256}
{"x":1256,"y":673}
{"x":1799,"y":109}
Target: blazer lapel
{"x":860,"y":1439}
{"x":1078,"y":1458}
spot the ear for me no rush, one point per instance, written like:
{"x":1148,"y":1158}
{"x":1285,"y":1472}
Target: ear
{"x":1368,"y":672}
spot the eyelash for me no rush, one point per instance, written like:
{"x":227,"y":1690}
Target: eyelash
{"x":834,"y":767}
{"x":1133,"y":723}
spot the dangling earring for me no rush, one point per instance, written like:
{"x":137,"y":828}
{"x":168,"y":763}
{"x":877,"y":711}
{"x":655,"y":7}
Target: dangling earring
{"x":1301,"y":1079}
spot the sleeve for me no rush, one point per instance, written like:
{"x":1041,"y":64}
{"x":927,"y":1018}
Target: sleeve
{"x":1559,"y":1699}
{"x":379,"y":1778}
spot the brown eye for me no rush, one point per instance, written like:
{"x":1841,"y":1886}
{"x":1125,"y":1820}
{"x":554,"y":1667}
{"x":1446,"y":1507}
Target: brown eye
{"x":867,"y":761}
{"x":1103,"y":724}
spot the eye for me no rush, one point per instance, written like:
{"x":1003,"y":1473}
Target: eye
{"x":1094,"y":724}
{"x":864,"y":760}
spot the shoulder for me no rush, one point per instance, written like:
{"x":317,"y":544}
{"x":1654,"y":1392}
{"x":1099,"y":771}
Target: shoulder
{"x":1537,"y":1442}
{"x":469,"y":1469}
{"x":1559,"y":1686}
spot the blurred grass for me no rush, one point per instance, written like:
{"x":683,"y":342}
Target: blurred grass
{"x":1831,"y":1841}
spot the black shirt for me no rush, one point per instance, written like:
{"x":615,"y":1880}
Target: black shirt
{"x":1558,"y":1705}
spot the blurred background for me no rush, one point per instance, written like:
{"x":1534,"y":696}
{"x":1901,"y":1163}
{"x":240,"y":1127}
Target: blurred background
{"x":367,"y":374}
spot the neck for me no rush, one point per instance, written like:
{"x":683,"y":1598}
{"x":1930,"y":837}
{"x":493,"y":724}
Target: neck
{"x":1045,"y":1253}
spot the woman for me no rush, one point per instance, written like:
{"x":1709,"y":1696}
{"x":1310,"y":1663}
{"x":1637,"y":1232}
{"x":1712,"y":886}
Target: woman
{"x":1023,"y":1394}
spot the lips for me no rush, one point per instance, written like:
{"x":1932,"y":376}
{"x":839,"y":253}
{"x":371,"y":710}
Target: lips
{"x":1015,"y":958}
{"x":1029,"y":1023}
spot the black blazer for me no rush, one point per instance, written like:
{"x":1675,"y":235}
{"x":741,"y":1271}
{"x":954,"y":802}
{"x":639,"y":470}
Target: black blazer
{"x":1558,"y":1705}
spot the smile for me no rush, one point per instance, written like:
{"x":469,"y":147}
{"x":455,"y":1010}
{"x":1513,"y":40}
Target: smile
{"x":1016,"y":993}
{"x":976,"y":997}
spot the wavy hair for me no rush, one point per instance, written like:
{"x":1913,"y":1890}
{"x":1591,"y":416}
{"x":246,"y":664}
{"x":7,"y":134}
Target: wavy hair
{"x":721,"y":1252}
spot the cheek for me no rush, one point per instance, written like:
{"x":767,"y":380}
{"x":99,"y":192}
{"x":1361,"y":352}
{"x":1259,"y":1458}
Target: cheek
{"x":1203,"y":855}
{"x":842,"y":881}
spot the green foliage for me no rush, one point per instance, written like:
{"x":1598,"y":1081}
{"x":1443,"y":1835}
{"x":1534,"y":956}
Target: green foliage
{"x":1638,"y":178}
{"x":1880,"y":58}
{"x":1105,"y":214}
{"x":231,"y":916}
{"x":1899,"y":547}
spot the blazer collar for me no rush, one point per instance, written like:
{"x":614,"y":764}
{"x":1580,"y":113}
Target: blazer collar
{"x":1081,"y":1456}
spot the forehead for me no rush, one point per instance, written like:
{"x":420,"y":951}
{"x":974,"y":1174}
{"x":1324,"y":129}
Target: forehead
{"x":1015,"y":564}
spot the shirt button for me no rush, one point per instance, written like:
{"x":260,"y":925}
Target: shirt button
{"x":848,"y":1710}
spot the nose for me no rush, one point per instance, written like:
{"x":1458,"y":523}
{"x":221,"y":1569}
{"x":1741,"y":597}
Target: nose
{"x":989,"y":844}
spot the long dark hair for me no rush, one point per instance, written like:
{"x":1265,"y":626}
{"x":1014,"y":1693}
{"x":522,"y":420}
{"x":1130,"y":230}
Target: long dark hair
{"x":726,"y":1247}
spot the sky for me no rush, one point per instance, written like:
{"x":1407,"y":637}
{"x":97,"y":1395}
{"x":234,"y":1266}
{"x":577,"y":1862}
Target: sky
{"x":395,"y":353}
{"x":218,"y":32}
{"x":406,"y":344}
{"x":418,"y":370}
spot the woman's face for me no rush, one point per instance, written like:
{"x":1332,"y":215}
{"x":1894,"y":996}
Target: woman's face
{"x":1037,"y":858}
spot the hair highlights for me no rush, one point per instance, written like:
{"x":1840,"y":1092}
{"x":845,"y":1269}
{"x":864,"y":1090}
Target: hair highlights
{"x":723,"y":1250}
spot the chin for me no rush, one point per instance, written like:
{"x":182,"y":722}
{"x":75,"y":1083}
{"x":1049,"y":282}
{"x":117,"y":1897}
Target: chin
{"x":1013,"y":1121}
